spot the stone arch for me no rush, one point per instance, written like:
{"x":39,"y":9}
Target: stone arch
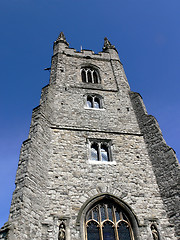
{"x":90,"y":71}
{"x":106,"y":196}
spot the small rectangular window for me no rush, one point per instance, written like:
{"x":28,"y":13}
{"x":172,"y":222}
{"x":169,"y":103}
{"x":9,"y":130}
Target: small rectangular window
{"x":100,"y":150}
{"x":94,"y":101}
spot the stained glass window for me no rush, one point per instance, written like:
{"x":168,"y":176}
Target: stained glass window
{"x":123,"y":231}
{"x":117,"y":216}
{"x":110,"y":213}
{"x":108,"y":231}
{"x":96,"y":214}
{"x":92,"y":231}
{"x":106,"y":220}
{"x":103,"y":213}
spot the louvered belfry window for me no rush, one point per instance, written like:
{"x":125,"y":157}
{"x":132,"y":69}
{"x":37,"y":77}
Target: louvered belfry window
{"x":107,"y":221}
{"x":90,"y":75}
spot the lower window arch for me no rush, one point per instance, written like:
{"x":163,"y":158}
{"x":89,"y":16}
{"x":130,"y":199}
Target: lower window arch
{"x":107,"y":220}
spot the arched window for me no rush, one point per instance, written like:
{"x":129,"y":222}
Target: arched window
{"x":94,"y":101}
{"x":90,"y":75}
{"x":104,"y":153}
{"x":100,"y":150}
{"x":106,"y":220}
{"x":83,"y":75}
{"x":95,"y":77}
{"x":94,"y":152}
{"x":89,"y":102}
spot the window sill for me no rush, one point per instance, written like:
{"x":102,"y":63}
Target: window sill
{"x":101,"y":162}
{"x":97,"y":109}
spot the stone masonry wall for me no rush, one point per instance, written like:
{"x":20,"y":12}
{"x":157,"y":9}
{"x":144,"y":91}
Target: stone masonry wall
{"x":29,"y":198}
{"x":164,"y":162}
{"x":67,"y":97}
{"x":74,"y":179}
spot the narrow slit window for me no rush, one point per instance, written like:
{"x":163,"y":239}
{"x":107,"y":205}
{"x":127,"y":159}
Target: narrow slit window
{"x":96,"y":103}
{"x":94,"y":152}
{"x":104,"y":153}
{"x":95,"y":77}
{"x":83,"y":75}
{"x":89,"y":102}
{"x":89,"y":77}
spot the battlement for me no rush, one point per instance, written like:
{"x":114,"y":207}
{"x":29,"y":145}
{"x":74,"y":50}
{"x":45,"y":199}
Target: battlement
{"x":109,"y":51}
{"x":83,"y":53}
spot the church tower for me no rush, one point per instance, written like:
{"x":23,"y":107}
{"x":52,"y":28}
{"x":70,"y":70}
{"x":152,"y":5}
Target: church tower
{"x":95,"y":165}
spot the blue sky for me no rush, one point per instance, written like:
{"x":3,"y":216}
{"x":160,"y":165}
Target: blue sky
{"x":146,"y":34}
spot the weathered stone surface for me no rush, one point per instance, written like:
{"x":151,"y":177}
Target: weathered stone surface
{"x":55,"y":177}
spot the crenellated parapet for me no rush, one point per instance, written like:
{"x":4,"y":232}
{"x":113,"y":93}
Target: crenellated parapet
{"x":109,"y":51}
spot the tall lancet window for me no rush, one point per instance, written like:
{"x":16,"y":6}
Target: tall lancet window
{"x":106,"y":220}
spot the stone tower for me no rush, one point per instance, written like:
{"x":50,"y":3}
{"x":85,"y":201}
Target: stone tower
{"x":95,"y":165}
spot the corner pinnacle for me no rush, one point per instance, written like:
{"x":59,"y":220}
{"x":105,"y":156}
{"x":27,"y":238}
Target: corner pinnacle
{"x":108,"y":45}
{"x":62,"y":39}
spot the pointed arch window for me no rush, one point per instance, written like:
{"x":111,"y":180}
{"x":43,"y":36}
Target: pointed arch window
{"x":106,"y":220}
{"x":90,"y":75}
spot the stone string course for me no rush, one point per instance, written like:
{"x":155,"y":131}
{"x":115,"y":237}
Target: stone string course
{"x":55,"y":178}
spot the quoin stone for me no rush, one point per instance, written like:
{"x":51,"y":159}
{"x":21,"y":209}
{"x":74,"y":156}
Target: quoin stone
{"x":95,"y":165}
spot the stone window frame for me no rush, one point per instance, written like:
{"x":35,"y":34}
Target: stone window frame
{"x":90,"y":74}
{"x":100,"y":143}
{"x":94,"y":97}
{"x":105,"y":213}
{"x":91,"y":202}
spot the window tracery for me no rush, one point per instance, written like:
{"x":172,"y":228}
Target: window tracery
{"x":90,"y":75}
{"x":100,"y":150}
{"x":107,"y":221}
{"x":94,"y":101}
